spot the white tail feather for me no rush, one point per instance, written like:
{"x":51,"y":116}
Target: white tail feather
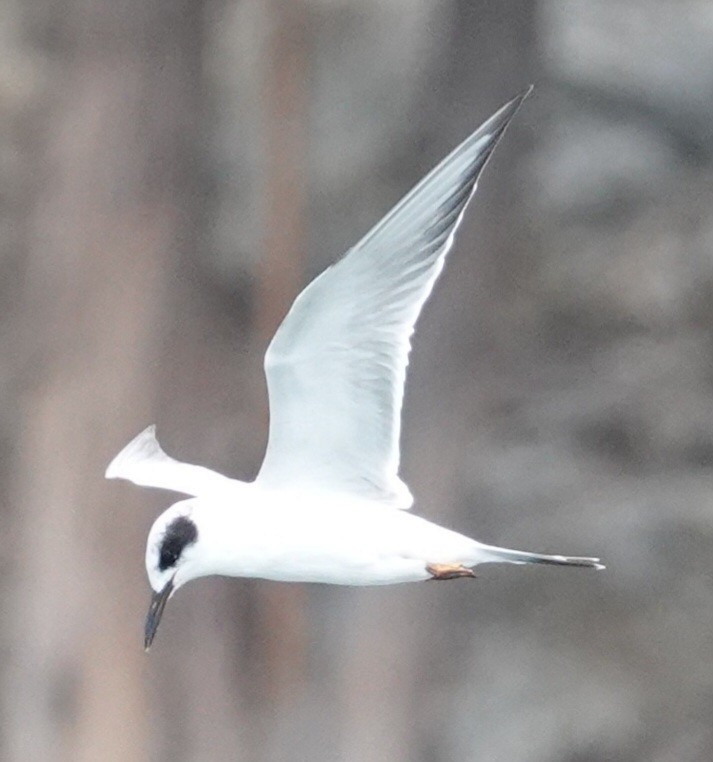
{"x":521,"y":557}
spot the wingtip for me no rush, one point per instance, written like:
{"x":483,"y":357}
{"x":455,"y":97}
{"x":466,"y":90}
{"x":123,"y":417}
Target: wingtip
{"x":143,"y":441}
{"x":505,"y":114}
{"x":494,"y":128}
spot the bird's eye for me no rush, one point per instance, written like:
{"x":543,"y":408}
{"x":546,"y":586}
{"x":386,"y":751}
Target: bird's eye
{"x":167,"y":558}
{"x":180,"y":533}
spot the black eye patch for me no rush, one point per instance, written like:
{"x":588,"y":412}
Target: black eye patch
{"x":179,"y":533}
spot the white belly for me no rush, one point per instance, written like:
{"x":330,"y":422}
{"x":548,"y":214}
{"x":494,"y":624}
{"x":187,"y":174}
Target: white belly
{"x":350,"y":543}
{"x":340,"y":571}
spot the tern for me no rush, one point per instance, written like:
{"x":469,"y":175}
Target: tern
{"x":328,"y":505}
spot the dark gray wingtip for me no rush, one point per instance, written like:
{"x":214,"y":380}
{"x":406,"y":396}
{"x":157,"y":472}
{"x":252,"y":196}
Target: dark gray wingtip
{"x":500,"y":120}
{"x":506,"y":112}
{"x":494,"y":128}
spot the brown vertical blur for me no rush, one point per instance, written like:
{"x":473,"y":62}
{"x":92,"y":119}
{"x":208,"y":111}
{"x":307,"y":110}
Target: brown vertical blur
{"x":281,"y":275}
{"x":107,"y":152}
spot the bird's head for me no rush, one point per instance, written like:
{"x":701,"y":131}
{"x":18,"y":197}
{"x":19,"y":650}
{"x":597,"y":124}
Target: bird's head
{"x":172,"y":559}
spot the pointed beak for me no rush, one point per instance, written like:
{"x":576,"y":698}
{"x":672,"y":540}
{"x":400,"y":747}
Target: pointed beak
{"x":153,"y":618}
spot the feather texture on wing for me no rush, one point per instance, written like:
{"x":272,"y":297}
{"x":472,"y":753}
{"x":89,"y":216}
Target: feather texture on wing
{"x":336,"y":367}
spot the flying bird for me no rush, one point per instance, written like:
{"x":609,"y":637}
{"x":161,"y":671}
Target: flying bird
{"x":328,"y":505}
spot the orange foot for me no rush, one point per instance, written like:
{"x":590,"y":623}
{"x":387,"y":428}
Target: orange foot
{"x":449,"y":571}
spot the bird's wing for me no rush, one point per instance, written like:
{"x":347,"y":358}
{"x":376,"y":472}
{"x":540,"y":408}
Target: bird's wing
{"x":143,"y":462}
{"x":337,"y":364}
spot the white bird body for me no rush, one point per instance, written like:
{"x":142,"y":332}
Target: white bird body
{"x":313,"y":536}
{"x":328,"y":505}
{"x":302,"y":536}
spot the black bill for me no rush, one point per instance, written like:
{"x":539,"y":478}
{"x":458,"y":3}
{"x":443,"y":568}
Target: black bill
{"x":153,"y":618}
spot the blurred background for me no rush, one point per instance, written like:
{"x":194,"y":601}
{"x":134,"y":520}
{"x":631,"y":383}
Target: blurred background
{"x":172,"y":172}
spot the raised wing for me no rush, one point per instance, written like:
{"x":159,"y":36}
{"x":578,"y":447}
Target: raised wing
{"x":337,"y":365}
{"x":143,"y":462}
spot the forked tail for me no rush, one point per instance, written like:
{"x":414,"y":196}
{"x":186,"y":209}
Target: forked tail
{"x":521,"y":557}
